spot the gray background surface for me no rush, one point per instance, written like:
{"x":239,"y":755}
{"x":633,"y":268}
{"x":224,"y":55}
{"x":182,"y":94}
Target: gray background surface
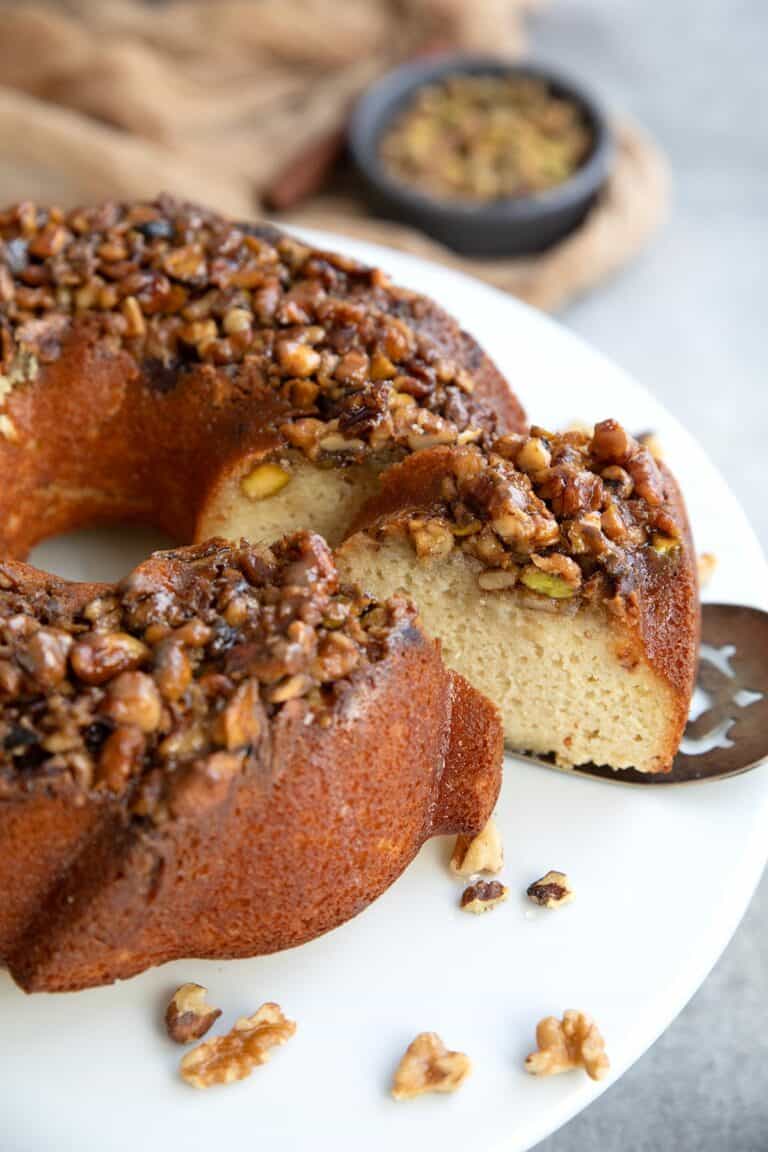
{"x":690,"y":320}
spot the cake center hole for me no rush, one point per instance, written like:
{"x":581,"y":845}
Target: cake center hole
{"x":95,"y":554}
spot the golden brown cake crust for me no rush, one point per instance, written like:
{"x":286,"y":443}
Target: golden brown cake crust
{"x":234,"y":755}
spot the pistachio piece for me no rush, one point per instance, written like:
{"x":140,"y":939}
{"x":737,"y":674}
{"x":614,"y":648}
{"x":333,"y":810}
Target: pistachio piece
{"x":264,"y":481}
{"x":546,"y":583}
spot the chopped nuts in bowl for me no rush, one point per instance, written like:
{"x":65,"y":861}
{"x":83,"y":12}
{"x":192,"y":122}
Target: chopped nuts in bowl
{"x":484,"y":138}
{"x":490,"y":157}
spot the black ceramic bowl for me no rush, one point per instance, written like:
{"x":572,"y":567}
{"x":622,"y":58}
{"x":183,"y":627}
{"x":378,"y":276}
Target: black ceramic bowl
{"x":508,"y":227}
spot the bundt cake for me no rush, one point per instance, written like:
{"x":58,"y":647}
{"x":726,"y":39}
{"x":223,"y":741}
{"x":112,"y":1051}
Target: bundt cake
{"x":230,"y":751}
{"x":162,"y":364}
{"x":559,"y":574}
{"x":227,"y":754}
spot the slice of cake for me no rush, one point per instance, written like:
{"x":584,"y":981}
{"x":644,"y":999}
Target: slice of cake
{"x":559,"y":574}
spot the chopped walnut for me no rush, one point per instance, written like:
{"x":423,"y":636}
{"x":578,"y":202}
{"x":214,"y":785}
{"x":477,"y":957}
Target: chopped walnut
{"x":133,"y":699}
{"x":432,"y":539}
{"x":573,"y":1042}
{"x":428,"y":1066}
{"x":188,"y":1016}
{"x":482,"y":896}
{"x":551,"y":891}
{"x":234,"y":1056}
{"x":481,"y":853}
{"x":707,"y":564}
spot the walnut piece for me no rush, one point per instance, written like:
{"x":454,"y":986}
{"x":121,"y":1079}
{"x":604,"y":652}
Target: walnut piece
{"x":428,"y":1066}
{"x":482,"y":896}
{"x":551,"y":891}
{"x":188,"y":1016}
{"x":481,"y":853}
{"x":234,"y":1056}
{"x":573,"y":1042}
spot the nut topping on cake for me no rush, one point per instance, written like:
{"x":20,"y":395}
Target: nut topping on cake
{"x":183,"y":670}
{"x":175,"y":286}
{"x":562,"y":516}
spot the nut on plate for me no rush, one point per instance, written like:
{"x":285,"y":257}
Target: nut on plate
{"x":234,"y":1056}
{"x":428,"y":1066}
{"x":551,"y":890}
{"x":188,"y":1015}
{"x":482,"y":896}
{"x":573,"y":1042}
{"x":481,"y":853}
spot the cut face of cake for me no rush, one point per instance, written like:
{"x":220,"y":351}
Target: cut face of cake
{"x":559,"y":575}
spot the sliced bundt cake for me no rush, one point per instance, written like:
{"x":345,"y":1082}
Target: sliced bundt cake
{"x":559,"y":575}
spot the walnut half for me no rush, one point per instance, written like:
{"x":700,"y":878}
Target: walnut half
{"x":573,"y":1042}
{"x":481,"y":853}
{"x":234,"y":1056}
{"x":188,"y":1016}
{"x":428,"y":1066}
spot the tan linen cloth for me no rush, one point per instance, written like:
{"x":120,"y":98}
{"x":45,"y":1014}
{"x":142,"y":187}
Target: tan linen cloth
{"x":213,"y":100}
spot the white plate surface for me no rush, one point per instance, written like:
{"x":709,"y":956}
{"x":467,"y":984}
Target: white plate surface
{"x":662,"y":879}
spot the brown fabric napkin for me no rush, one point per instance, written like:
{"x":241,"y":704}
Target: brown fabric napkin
{"x":232,"y":102}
